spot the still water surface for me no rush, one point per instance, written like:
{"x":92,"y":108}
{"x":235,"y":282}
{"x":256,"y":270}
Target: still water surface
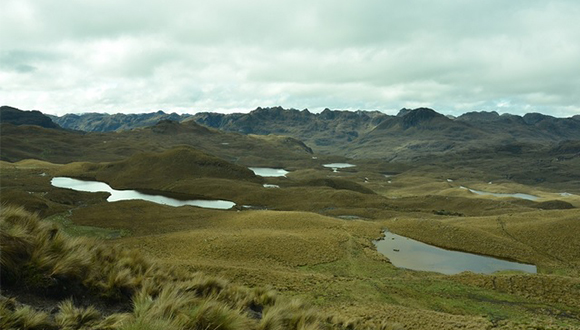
{"x":122,"y":195}
{"x":407,"y":253}
{"x":339,"y":165}
{"x":268,"y":171}
{"x":336,"y":166}
{"x":516,"y":195}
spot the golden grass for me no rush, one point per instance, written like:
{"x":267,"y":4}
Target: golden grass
{"x":332,"y":263}
{"x":72,"y":317}
{"x":545,"y":238}
{"x":15,"y":316}
{"x":259,"y":238}
{"x":36,"y":256}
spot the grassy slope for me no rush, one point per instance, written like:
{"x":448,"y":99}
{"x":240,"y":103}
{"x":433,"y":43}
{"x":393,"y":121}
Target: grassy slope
{"x":157,"y":170}
{"x":57,"y":146}
{"x":39,"y":260}
{"x":283,"y":249}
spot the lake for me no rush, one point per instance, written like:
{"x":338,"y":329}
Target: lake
{"x":268,"y":171}
{"x":407,"y":253}
{"x":336,"y":166}
{"x":516,"y":195}
{"x":122,"y":195}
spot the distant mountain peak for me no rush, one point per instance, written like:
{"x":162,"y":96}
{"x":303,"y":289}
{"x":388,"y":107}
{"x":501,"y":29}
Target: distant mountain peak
{"x":104,"y":122}
{"x":403,"y":112}
{"x":415,"y":117}
{"x":479,"y":116}
{"x":534,"y":118}
{"x":18,"y":117}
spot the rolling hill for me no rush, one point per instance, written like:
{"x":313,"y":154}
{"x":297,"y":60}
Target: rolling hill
{"x":64,"y":146}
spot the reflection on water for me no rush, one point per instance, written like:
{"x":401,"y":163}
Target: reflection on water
{"x":407,"y":253}
{"x":339,"y":165}
{"x":121,"y":195}
{"x":336,"y":166}
{"x":517,"y":195}
{"x":268,"y":171}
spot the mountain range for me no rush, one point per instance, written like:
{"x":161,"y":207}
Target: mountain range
{"x":22,"y":137}
{"x":104,"y":122}
{"x":411,"y":134}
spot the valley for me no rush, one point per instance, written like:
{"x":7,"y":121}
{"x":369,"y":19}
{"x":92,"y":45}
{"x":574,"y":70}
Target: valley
{"x":310,"y":233}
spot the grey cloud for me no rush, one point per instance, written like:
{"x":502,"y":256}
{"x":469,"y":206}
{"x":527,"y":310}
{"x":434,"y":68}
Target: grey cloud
{"x":25,"y":61}
{"x":224,"y":55}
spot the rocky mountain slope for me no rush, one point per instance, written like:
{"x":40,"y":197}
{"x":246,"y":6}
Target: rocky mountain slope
{"x":104,"y":122}
{"x":18,"y":117}
{"x":64,"y":146}
{"x":363,"y":133}
{"x":324,"y":130}
{"x":410,"y":134}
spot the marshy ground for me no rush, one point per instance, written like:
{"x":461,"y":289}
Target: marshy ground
{"x":312,"y":238}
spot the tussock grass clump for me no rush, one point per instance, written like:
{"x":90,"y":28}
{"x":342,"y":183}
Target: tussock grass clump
{"x":15,"y":316}
{"x":96,"y":286}
{"x":38,"y":256}
{"x":71,"y":317}
{"x":289,"y":315}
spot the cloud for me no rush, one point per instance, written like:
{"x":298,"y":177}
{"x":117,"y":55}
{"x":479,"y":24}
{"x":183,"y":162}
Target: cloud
{"x":452,"y":55}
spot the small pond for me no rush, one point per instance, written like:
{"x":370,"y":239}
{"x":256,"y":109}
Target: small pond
{"x":407,"y":253}
{"x":121,"y":195}
{"x":336,"y":166}
{"x":516,"y":195}
{"x":268,"y":171}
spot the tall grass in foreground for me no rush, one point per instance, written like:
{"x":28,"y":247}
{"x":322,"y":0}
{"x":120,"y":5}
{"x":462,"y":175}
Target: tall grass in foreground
{"x":97,"y":286}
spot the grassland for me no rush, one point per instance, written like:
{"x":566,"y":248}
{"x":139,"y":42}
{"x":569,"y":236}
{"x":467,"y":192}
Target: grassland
{"x":300,"y":244}
{"x":94,"y":286}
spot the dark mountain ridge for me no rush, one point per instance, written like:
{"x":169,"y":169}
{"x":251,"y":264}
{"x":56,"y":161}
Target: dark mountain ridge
{"x":535,"y":149}
{"x":59,"y":145}
{"x":104,"y":122}
{"x":372,"y":134}
{"x":410,"y":133}
{"x":18,"y":117}
{"x":330,"y":127}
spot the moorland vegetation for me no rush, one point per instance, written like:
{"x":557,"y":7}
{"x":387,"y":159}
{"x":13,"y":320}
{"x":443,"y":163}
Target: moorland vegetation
{"x":88,"y":285}
{"x":296,"y":256}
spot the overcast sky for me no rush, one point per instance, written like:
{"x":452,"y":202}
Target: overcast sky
{"x":187,"y":56}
